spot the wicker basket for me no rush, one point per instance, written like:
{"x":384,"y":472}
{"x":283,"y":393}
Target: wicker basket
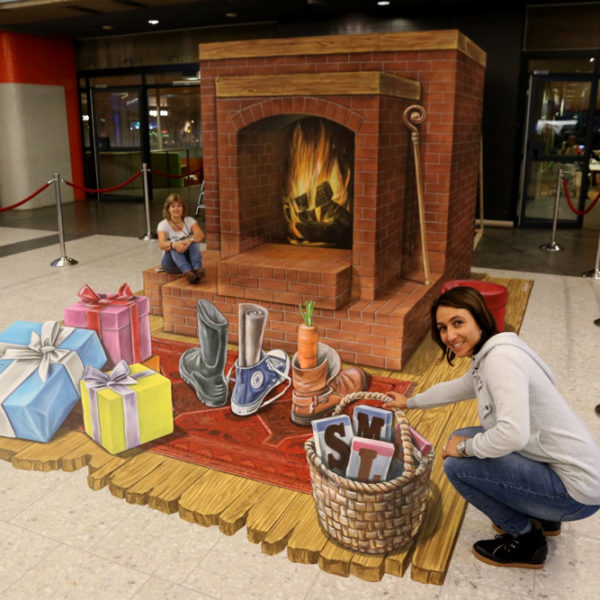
{"x":372,"y":517}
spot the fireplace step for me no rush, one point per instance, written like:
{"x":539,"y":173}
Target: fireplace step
{"x":288,"y":275}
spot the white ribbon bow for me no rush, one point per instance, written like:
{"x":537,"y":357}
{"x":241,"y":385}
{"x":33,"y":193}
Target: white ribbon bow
{"x":41,"y":352}
{"x":119,"y":381}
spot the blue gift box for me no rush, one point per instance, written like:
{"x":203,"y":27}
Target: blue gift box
{"x":40,"y":369}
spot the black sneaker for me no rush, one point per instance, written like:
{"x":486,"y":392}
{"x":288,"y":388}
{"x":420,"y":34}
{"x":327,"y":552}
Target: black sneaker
{"x":549,"y":528}
{"x":528,"y":550}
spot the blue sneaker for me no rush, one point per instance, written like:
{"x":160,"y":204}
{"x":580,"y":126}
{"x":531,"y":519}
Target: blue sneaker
{"x":253,"y":384}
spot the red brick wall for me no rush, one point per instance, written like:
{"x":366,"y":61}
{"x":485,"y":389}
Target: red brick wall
{"x":385,"y":241}
{"x":260,"y":182}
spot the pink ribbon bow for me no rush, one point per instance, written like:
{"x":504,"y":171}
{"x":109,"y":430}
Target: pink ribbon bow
{"x":87,"y":294}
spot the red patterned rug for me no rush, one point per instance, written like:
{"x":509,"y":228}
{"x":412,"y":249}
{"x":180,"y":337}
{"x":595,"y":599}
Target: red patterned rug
{"x":265,"y":446}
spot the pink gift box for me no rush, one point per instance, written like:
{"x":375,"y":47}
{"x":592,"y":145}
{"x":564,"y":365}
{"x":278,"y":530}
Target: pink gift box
{"x":121,"y":320}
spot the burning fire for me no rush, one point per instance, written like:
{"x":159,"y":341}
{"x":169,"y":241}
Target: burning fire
{"x":317,"y":203}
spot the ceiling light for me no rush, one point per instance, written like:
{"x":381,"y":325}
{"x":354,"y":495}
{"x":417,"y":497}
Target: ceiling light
{"x":153,"y":21}
{"x":107,"y":27}
{"x":383,"y":3}
{"x":231,"y":15}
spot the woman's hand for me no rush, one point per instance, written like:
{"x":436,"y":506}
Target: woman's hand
{"x":450,"y":448}
{"x":181,"y":245}
{"x":399,"y":400}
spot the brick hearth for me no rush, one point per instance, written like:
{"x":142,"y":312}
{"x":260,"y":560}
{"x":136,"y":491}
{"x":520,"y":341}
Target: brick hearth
{"x":379,"y":333}
{"x":371,"y":304}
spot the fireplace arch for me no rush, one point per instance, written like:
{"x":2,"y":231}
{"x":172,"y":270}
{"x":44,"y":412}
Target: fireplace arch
{"x":296,"y":180}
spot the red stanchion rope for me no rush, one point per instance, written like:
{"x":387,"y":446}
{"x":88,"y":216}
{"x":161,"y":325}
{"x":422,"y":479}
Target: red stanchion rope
{"x":155,"y":172}
{"x":578,"y":212}
{"x":26,"y":199}
{"x":108,"y":189}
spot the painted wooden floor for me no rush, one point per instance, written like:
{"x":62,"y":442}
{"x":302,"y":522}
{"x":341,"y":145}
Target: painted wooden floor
{"x":277,"y":518}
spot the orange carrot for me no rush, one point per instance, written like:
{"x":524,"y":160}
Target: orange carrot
{"x":308,"y":337}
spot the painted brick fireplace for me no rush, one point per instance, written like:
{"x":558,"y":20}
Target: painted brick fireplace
{"x":372,"y":304}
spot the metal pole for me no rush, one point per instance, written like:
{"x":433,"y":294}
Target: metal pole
{"x":64,"y":260}
{"x":595,"y":272}
{"x":148,"y":235}
{"x":552,"y":246}
{"x":415,"y":115}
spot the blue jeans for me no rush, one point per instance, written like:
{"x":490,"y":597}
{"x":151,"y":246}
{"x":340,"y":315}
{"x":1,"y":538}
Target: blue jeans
{"x":512,"y":488}
{"x":180,"y":262}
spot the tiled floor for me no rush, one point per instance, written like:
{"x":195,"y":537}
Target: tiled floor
{"x":59,"y":539}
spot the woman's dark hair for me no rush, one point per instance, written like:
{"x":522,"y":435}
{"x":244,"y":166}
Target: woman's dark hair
{"x":173,"y":199}
{"x":469,"y":299}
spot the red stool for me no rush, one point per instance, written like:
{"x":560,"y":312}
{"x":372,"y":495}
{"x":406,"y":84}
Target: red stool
{"x":494,"y":294}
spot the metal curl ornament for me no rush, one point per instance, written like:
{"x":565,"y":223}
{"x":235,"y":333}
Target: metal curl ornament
{"x":414,"y":115}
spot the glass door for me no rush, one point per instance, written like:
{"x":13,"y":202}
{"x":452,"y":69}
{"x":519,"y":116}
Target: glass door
{"x":175,"y":135}
{"x":559,"y":137}
{"x":117,"y":126}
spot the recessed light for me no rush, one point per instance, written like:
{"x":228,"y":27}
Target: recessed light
{"x":153,"y":21}
{"x":107,"y":27}
{"x":231,"y":15}
{"x":383,"y":3}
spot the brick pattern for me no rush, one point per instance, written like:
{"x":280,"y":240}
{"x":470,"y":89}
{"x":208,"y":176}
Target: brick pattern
{"x":381,"y":333}
{"x":153,"y":282}
{"x":289,"y":275}
{"x":386,"y":243}
{"x":387,"y":310}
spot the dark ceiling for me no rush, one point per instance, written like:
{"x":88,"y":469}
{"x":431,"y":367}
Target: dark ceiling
{"x":93,"y":18}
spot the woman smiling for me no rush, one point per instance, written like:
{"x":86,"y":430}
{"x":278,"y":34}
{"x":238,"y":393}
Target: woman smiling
{"x":533,"y":463}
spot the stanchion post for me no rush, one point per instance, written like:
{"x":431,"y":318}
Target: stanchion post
{"x":595,"y":272}
{"x":63,"y":260}
{"x":552,"y":245}
{"x":149,"y":235}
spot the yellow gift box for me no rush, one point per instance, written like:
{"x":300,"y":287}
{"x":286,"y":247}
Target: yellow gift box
{"x":126,"y":407}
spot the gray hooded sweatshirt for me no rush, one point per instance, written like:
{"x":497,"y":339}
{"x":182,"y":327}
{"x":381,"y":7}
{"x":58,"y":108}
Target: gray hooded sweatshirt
{"x":522,"y":411}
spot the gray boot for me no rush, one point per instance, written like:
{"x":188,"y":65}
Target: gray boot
{"x":204,"y":368}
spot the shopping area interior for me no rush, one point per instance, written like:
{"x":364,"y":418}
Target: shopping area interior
{"x":139,"y":103}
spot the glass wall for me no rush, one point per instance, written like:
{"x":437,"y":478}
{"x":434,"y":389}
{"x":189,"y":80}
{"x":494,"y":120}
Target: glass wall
{"x":175,"y":136}
{"x":145,"y":117}
{"x":563,"y":135}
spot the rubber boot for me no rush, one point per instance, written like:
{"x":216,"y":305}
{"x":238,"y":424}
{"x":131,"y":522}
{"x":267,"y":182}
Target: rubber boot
{"x":316,"y":392}
{"x":204,"y":368}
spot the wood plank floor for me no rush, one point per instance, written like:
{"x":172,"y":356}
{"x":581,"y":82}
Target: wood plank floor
{"x":277,"y":518}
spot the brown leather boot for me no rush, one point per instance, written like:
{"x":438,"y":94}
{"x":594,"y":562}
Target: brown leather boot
{"x":316,"y":392}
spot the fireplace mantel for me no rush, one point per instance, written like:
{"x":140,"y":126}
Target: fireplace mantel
{"x":318,"y":84}
{"x":445,"y":39}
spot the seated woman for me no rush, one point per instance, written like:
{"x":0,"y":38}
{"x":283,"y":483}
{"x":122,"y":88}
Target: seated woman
{"x":532,"y":463}
{"x":178,"y":237}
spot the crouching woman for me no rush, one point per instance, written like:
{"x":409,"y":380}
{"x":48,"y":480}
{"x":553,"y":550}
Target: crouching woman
{"x":533,"y":463}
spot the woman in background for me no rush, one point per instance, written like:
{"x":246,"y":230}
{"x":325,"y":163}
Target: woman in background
{"x":532,"y":463}
{"x":178,"y":238}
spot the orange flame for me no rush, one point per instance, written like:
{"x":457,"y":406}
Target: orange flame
{"x":312,"y":163}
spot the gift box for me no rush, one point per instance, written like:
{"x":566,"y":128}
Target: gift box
{"x":40,"y":369}
{"x":126,"y":407}
{"x":121,"y":320}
